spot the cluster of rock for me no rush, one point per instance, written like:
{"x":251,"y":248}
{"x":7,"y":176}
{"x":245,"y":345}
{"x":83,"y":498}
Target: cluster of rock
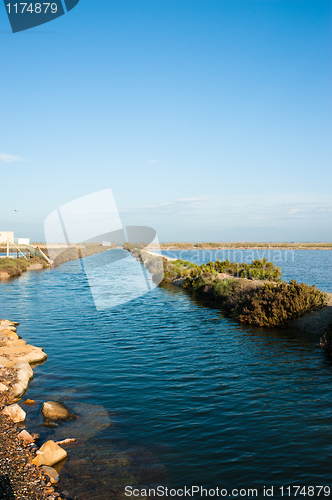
{"x":17,"y":354}
{"x":15,"y":359}
{"x":49,"y":454}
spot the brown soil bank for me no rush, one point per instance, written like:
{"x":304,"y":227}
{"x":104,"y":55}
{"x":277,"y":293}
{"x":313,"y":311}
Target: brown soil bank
{"x":10,"y":268}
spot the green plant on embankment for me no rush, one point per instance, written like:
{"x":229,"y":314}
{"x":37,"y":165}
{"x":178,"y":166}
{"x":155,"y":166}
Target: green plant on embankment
{"x":259,"y":303}
{"x":251,"y":293}
{"x":15,"y":267}
{"x":275,"y":304}
{"x":257,"y":270}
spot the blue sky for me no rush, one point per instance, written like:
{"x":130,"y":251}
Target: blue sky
{"x":209,"y":120}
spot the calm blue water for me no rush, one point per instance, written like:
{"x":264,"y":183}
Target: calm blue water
{"x":169,"y":392}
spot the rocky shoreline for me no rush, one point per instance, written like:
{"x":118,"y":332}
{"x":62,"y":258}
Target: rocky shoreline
{"x":26,"y":471}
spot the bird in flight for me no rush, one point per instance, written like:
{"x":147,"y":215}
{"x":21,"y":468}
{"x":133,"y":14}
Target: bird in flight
{"x":15,"y":210}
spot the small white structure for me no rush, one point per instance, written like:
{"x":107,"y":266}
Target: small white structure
{"x":7,"y":236}
{"x":23,"y":241}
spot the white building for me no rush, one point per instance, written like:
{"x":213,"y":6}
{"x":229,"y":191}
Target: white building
{"x":7,"y":236}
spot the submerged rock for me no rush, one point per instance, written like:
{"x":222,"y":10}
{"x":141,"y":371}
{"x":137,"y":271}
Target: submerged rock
{"x":14,"y":412}
{"x":55,"y":410}
{"x":51,"y":425}
{"x":49,"y":454}
{"x":51,"y":473}
{"x":29,"y":402}
{"x":66,"y":441}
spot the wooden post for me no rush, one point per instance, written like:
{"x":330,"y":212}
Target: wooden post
{"x":7,"y":248}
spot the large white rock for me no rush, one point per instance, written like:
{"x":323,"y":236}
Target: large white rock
{"x":9,"y":334}
{"x":49,"y":454}
{"x":24,"y":374}
{"x":8,"y":322}
{"x":14,"y":412}
{"x":17,"y":351}
{"x":8,"y":326}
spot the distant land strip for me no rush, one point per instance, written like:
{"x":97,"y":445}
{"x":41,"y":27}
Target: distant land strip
{"x":245,"y":245}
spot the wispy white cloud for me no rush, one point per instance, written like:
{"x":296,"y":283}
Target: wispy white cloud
{"x":215,"y":210}
{"x":7,"y":158}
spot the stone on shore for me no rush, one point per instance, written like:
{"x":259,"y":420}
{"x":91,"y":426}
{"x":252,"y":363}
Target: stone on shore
{"x":4,"y":276}
{"x":10,"y":335}
{"x":55,"y":410}
{"x":14,"y":412}
{"x":11,"y":328}
{"x":8,"y":322}
{"x":24,"y":374}
{"x":18,"y":350}
{"x":3,"y":387}
{"x":51,"y":473}
{"x":26,"y":436}
{"x":49,"y":454}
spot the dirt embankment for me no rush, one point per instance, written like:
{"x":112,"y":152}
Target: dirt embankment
{"x":59,"y":254}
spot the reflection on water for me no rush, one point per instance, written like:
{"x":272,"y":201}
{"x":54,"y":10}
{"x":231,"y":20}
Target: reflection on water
{"x":169,"y":391}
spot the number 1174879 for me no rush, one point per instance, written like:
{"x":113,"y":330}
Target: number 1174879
{"x":37,"y":8}
{"x":306,"y":491}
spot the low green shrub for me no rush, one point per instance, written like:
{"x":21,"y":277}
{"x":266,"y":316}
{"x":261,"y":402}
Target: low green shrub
{"x":251,"y":293}
{"x":15,"y":267}
{"x":259,"y":269}
{"x":259,"y":303}
{"x":276,"y":304}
